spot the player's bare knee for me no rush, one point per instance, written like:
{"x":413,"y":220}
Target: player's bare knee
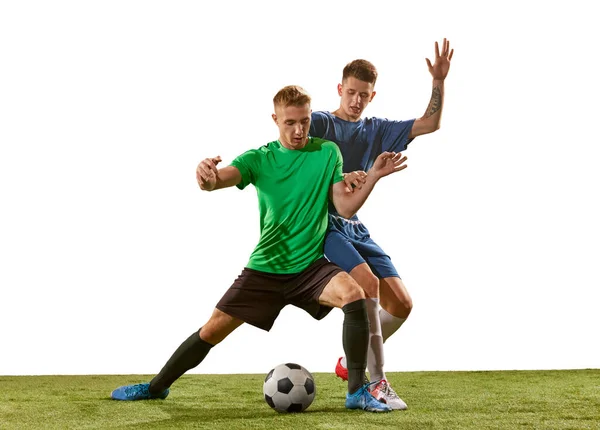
{"x":352,"y":292}
{"x":404,"y":306}
{"x":209,"y":333}
{"x":368,"y":281}
{"x":400,"y":307}
{"x":216,"y":328}
{"x":404,"y":309}
{"x":370,"y":284}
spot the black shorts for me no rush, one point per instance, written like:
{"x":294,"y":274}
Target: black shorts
{"x":257,"y":297}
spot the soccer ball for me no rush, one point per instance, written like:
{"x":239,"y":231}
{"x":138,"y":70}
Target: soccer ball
{"x":289,"y":388}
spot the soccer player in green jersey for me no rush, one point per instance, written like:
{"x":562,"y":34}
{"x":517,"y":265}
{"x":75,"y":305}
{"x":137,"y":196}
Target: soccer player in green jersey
{"x":295,"y":177}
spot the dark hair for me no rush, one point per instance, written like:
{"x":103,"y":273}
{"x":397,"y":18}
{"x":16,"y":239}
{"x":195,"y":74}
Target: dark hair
{"x":362,"y":70}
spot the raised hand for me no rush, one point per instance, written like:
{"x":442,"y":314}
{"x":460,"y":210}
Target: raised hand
{"x":388,"y":163}
{"x":206,"y":173}
{"x":354,"y":179}
{"x":441,"y":66}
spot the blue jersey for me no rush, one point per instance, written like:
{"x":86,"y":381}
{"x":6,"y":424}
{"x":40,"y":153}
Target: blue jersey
{"x":362,"y":141}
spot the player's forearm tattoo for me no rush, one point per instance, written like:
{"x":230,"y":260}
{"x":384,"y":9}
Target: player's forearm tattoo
{"x":435,"y":103}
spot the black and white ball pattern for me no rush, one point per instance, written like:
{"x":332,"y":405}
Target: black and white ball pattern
{"x":289,"y":387}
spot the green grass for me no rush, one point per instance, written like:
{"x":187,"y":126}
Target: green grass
{"x":562,"y":399}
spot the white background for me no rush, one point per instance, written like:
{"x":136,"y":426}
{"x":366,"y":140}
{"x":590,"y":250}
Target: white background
{"x":110,"y":255}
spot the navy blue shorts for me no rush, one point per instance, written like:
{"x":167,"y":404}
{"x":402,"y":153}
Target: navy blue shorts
{"x":348,"y":244}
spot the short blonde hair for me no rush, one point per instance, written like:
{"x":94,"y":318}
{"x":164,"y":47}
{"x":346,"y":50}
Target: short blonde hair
{"x":292,"y":95}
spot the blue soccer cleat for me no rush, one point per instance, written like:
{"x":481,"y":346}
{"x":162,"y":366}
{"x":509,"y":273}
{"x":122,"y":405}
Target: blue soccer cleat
{"x":136,"y":392}
{"x":362,"y":399}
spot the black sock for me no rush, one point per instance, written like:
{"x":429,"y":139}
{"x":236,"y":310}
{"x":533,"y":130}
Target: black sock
{"x":355,"y":338}
{"x":189,"y":354}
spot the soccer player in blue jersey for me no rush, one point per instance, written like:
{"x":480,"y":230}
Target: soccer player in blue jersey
{"x":348,"y":243}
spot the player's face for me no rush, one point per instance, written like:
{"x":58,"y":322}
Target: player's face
{"x":356,"y":95}
{"x":293,"y":123}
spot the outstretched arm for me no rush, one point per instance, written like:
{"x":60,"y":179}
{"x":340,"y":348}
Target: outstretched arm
{"x":432,"y":118}
{"x":348,"y":202}
{"x":210,"y":178}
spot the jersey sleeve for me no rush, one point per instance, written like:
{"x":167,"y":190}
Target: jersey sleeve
{"x":318,"y":124}
{"x":394,"y":134}
{"x":249,"y":166}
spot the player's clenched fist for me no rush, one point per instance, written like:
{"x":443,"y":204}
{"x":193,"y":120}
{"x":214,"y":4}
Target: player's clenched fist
{"x":206,"y":173}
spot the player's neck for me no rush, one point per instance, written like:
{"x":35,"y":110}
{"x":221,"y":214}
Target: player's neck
{"x":342,"y":115}
{"x":293,"y":146}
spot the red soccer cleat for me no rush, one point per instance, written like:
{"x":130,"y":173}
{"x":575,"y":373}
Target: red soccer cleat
{"x":341,"y":371}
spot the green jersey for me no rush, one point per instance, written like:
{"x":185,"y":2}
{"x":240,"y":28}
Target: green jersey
{"x":293,"y":192}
